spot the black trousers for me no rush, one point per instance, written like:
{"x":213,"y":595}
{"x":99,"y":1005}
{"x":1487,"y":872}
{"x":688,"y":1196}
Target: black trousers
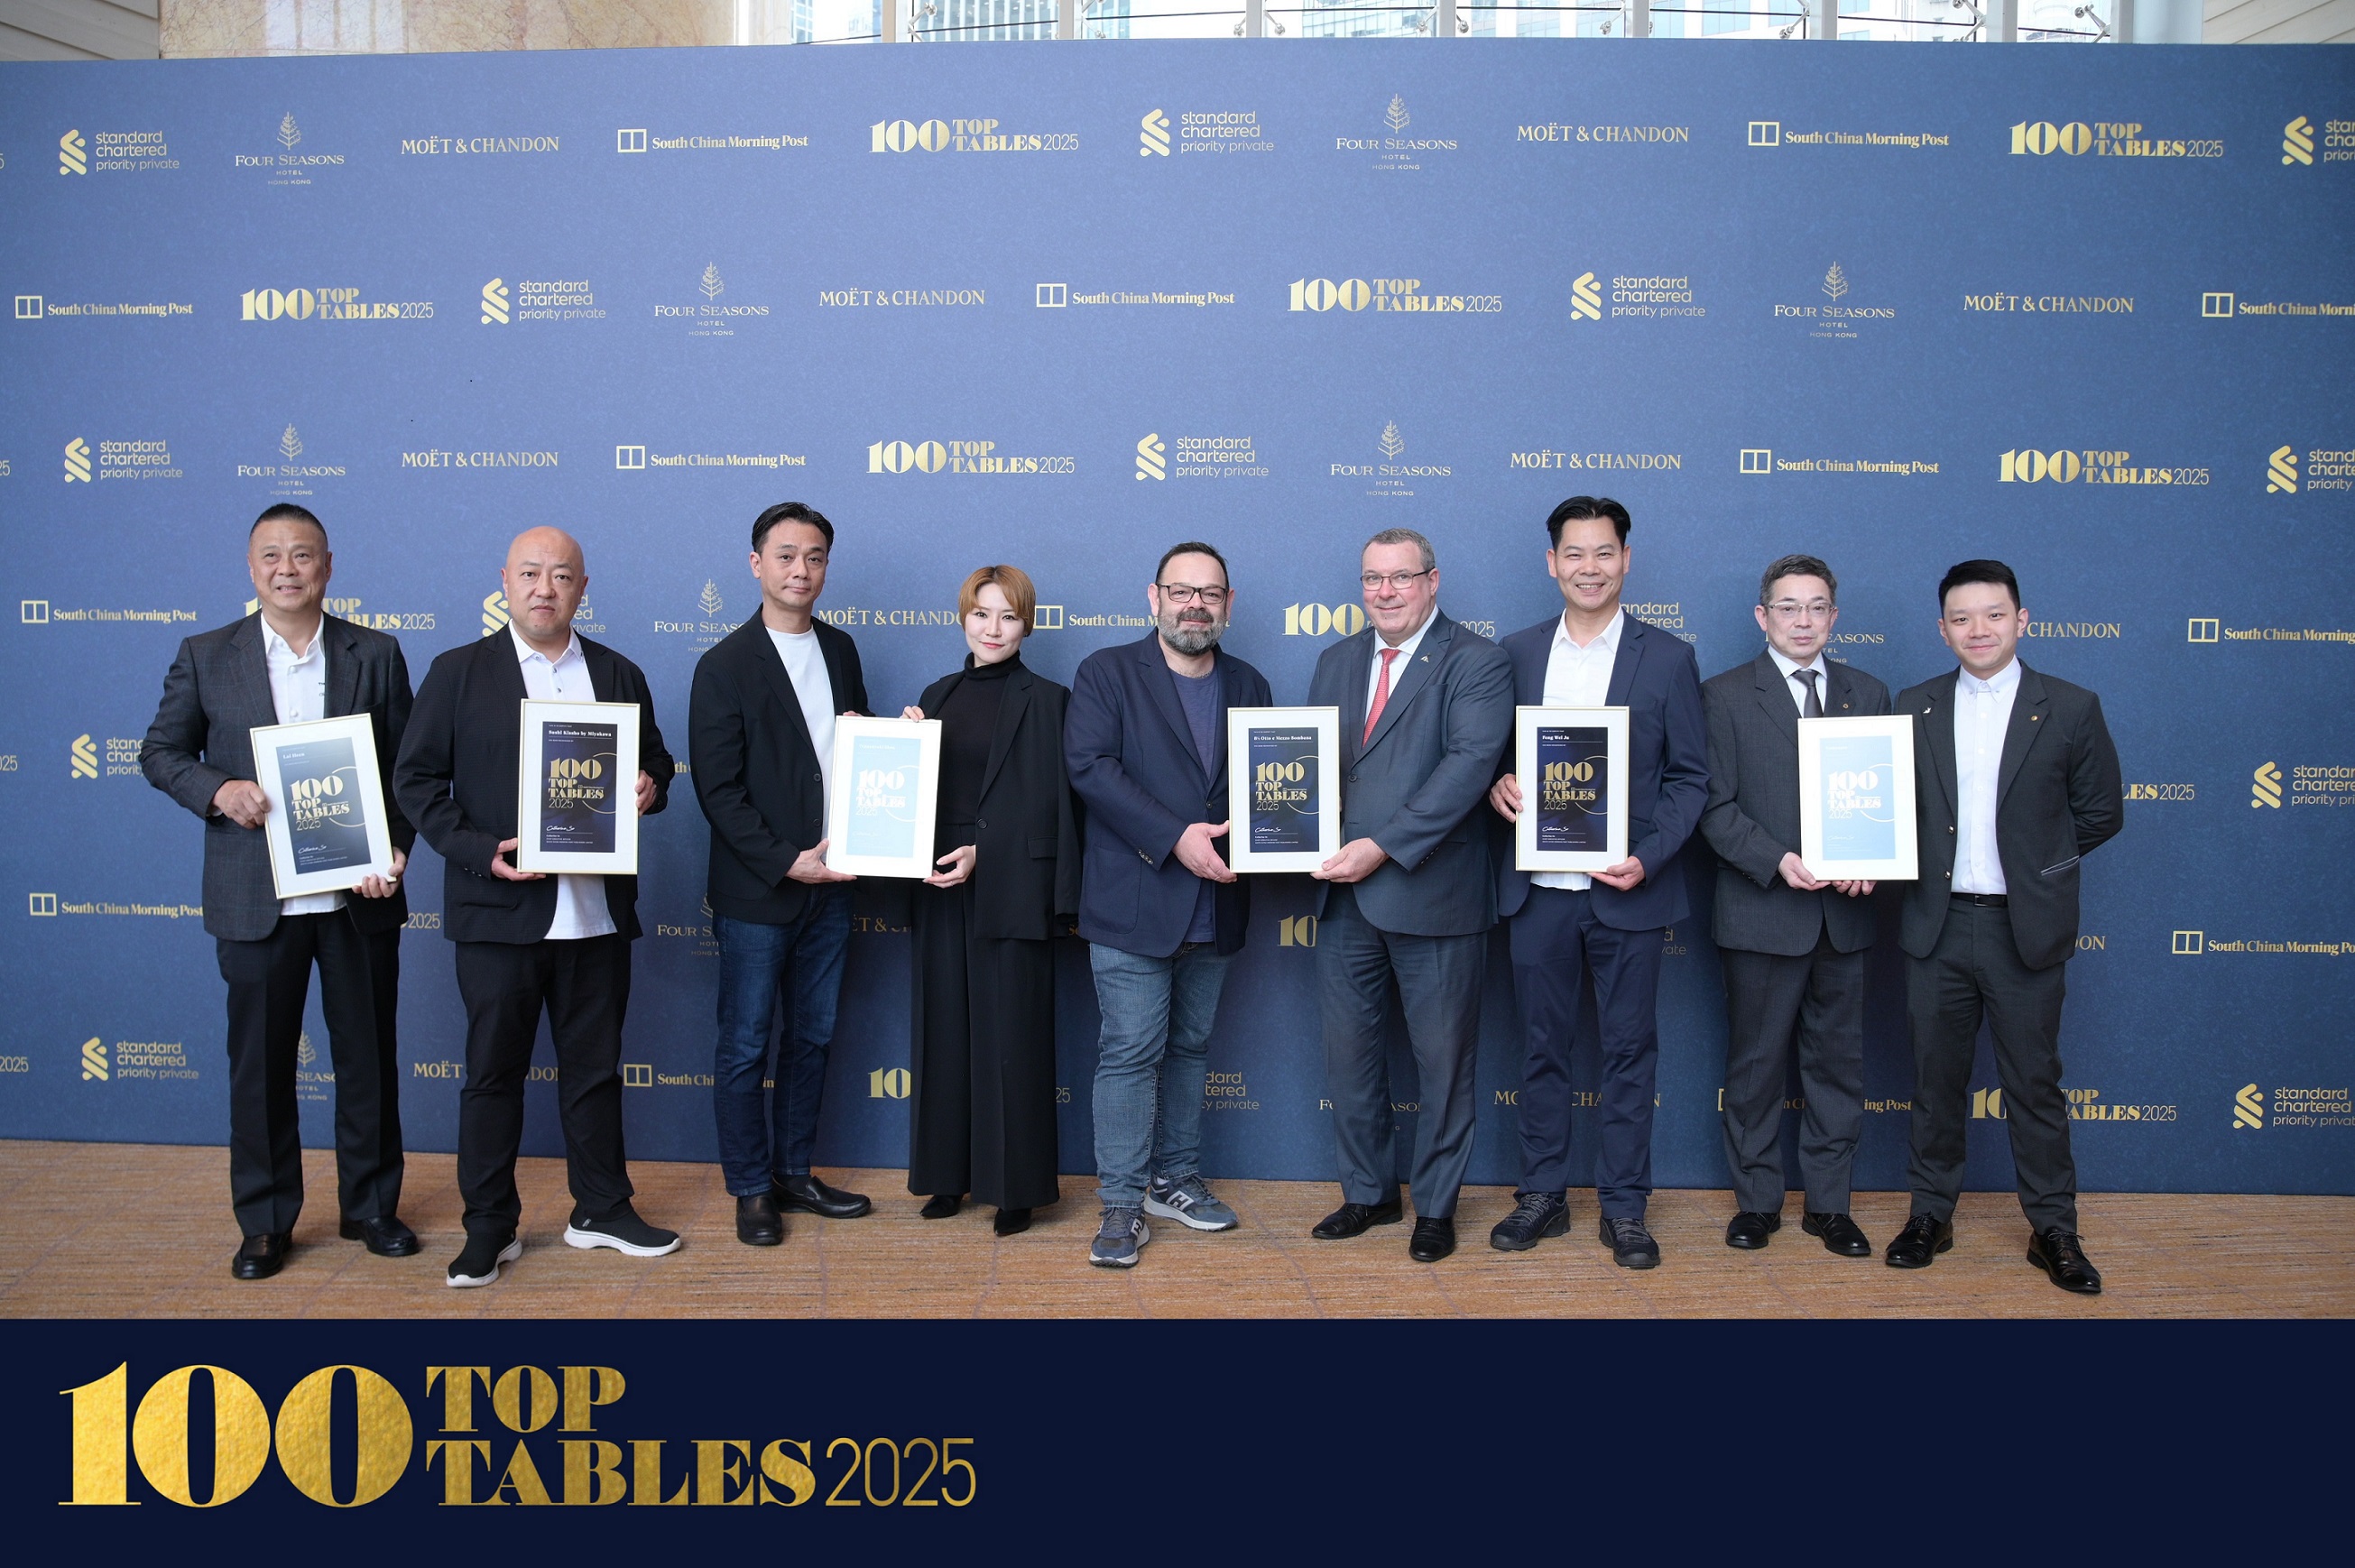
{"x":359,"y":991}
{"x":1774,"y":1002}
{"x":983,"y":1116}
{"x":584,"y":984}
{"x":1975,"y":972}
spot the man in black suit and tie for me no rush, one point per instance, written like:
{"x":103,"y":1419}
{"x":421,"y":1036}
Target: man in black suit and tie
{"x":528,"y":942}
{"x":759,"y":737}
{"x":2018,"y":781}
{"x":288,"y":663}
{"x":1426,"y":709}
{"x":1568,"y":930}
{"x":1793,"y":947}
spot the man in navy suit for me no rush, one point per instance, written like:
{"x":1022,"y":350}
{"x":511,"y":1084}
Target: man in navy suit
{"x":1145,"y":741}
{"x":1426,"y":709}
{"x":1568,"y":930}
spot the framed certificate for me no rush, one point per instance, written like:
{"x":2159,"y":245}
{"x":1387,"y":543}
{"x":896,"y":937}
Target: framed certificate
{"x":327,"y":827}
{"x":576,"y":789}
{"x":1573,"y":765}
{"x":1284,"y":804}
{"x":882,"y":796}
{"x":1855,"y":799}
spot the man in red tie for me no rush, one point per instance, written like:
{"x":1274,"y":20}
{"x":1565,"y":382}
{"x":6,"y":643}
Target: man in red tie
{"x":1426,"y":709}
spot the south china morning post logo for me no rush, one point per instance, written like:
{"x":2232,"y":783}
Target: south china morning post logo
{"x":1063,"y":296}
{"x":2090,"y":466}
{"x":2226,"y":304}
{"x":504,"y":304}
{"x":1188,"y":457}
{"x":46,"y":612}
{"x":1777,"y":134}
{"x":1398,"y":144}
{"x":631,"y":459}
{"x":1760,"y":461}
{"x":715,"y":314}
{"x":979,"y":134}
{"x":1386,"y":296}
{"x":962,"y":457}
{"x":1394,"y":476}
{"x":2106,"y":139}
{"x":1213,"y":130}
{"x":108,"y":458}
{"x":283,"y":158}
{"x":45,"y":307}
{"x":1646,"y":297}
{"x":1840,"y":314}
{"x":643,"y":139}
{"x":83,"y":154}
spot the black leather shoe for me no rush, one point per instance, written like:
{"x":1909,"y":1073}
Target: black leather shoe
{"x":1920,"y":1243}
{"x":1839,"y":1234}
{"x":2062,"y":1257}
{"x":1535,"y":1216}
{"x":1631,"y":1245}
{"x":758,"y":1223}
{"x":1751,"y":1229}
{"x":1011,"y":1222}
{"x":941,"y":1206}
{"x":1433,"y":1240}
{"x":810,"y":1196}
{"x":386,"y":1238}
{"x":1356,"y":1218}
{"x":260,"y":1256}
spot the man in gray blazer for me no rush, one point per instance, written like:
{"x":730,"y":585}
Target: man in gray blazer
{"x":1426,"y":709}
{"x":1793,"y":947}
{"x":290,"y":662}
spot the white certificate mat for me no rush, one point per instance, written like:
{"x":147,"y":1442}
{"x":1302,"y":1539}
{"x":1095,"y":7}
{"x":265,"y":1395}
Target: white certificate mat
{"x":883,"y":796}
{"x":1572,"y":767}
{"x":326,"y":827}
{"x":1855,"y":799}
{"x":1283,"y":788}
{"x":577,"y":788}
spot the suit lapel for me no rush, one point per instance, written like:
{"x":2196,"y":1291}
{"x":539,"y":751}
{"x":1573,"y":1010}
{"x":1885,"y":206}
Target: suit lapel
{"x":343,"y":667}
{"x":1429,"y":654}
{"x":834,"y":680}
{"x":1361,"y":653}
{"x":1625,"y":663}
{"x":1938,"y":724}
{"x":1009,"y":719}
{"x":2029,"y":705}
{"x":1782,"y":713}
{"x":1842,"y":685}
{"x":781,"y":685}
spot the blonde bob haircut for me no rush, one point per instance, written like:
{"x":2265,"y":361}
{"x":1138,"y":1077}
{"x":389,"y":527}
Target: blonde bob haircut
{"x":1012,"y":581}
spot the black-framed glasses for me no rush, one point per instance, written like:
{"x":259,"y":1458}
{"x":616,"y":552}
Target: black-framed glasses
{"x":1400,"y":580}
{"x":1186,"y":593}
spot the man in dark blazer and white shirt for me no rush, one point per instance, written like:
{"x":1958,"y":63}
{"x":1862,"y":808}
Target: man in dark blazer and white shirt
{"x":287,"y":663}
{"x":1145,"y":742}
{"x":759,"y":737}
{"x":2018,"y":781}
{"x":1793,"y":947}
{"x":1426,"y":709}
{"x":528,"y":942}
{"x":1568,"y":930}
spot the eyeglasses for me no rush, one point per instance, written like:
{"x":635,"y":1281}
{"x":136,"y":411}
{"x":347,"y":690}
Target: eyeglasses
{"x":1399,"y":581}
{"x":1791,"y":609}
{"x":1186,"y":593}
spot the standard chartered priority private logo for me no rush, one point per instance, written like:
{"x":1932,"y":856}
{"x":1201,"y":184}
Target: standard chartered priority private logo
{"x":84,"y":756}
{"x":2298,"y":141}
{"x":73,"y":154}
{"x":1151,"y":458}
{"x":93,"y":1060}
{"x":1585,"y":298}
{"x":494,"y":614}
{"x":1154,"y":136}
{"x":77,"y":462}
{"x":2281,"y":471}
{"x":2266,"y":788}
{"x":495,"y":302}
{"x":2249,"y":1109}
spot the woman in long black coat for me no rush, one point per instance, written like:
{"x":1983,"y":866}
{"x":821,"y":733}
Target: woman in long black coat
{"x":1007,"y":849}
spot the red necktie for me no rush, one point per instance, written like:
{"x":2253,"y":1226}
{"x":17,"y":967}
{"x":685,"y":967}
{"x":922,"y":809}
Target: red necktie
{"x":1382,"y":697}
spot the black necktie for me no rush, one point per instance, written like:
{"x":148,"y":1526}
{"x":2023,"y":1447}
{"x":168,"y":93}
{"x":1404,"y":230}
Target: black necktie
{"x":1813,"y":708}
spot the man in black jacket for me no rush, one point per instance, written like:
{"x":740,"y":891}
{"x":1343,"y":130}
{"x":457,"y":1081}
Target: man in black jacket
{"x":287,"y":663}
{"x":2018,"y":781}
{"x":1793,"y":947}
{"x":761,"y":742}
{"x":528,"y":941}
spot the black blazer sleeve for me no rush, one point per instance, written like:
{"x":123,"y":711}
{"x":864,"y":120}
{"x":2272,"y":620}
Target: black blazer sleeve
{"x":2096,"y":794}
{"x":428,"y":763}
{"x":173,"y":754}
{"x":392,"y":725}
{"x":654,"y":757}
{"x":1736,"y":836}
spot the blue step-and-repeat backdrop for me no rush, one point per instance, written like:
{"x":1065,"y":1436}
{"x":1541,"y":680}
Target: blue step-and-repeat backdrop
{"x":2090,"y":310}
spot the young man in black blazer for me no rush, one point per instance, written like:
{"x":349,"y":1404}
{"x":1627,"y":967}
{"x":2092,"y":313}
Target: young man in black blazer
{"x":526,"y":941}
{"x":759,"y":739}
{"x":2018,"y":781}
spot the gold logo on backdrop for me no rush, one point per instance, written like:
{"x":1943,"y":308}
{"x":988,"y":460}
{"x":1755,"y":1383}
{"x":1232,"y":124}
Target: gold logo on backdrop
{"x":889,"y":1083}
{"x":710,"y":603}
{"x":494,"y":614}
{"x":2248,"y":1108}
{"x":711,"y":284}
{"x":1152,"y":457}
{"x":2266,"y":787}
{"x":93,"y":1060}
{"x":495,"y":302}
{"x":2189,"y":943}
{"x":1835,"y":282}
{"x":1987,"y":1104}
{"x":2281,"y":472}
{"x":290,"y":445}
{"x":1391,"y":443}
{"x":1155,"y":136}
{"x":2202,"y":629}
{"x":85,"y":757}
{"x":1298,"y":930}
{"x":1396,"y":116}
{"x":73,"y":154}
{"x":1316,"y":619}
{"x":1585,"y":298}
{"x":2298,"y":141}
{"x":77,"y":462}
{"x":289,"y":133}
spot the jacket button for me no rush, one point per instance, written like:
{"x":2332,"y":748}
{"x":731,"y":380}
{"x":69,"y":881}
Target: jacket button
{"x":977,"y":822}
{"x":1950,"y":830}
{"x":1353,"y":778}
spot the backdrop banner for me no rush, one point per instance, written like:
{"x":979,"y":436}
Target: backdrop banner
{"x":2088,"y":310}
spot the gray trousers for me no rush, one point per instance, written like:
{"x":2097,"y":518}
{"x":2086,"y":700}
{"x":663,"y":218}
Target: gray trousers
{"x":1438,"y":980}
{"x":1773,"y":1002}
{"x":1975,"y":972}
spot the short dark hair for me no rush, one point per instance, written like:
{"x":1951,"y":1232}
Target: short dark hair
{"x":1977,"y":572}
{"x":1798,"y":566}
{"x":1580,"y":507}
{"x":286,"y":512}
{"x":1193,"y":547}
{"x":790,"y":512}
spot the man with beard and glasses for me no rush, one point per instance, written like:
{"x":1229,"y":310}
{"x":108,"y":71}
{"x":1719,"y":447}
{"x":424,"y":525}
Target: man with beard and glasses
{"x":1146,"y":741}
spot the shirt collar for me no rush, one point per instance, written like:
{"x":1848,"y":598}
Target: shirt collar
{"x":277,"y":648}
{"x":1406,"y":649}
{"x":2005,"y":681}
{"x":525,"y":653}
{"x":1608,"y":641}
{"x":1787,"y":667}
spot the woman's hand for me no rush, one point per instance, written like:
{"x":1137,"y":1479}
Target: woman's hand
{"x":960,"y":866}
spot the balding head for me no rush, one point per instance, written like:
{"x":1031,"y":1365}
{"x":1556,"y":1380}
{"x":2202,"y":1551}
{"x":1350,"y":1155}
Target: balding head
{"x":544,"y":578}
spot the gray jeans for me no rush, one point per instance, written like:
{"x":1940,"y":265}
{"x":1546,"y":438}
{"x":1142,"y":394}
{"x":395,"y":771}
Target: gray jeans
{"x":1150,"y":1064}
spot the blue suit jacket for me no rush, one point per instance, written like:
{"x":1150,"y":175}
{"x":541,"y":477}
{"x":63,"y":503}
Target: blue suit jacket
{"x":1655,"y":678}
{"x":1416,"y":787}
{"x":1132,"y":761}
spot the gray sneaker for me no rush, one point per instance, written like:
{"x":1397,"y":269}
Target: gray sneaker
{"x":1119,"y":1239}
{"x":1189,"y":1202}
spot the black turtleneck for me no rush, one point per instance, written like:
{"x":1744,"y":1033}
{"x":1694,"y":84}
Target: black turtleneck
{"x":968,"y":724}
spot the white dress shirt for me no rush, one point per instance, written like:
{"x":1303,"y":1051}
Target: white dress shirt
{"x":580,"y":908}
{"x":805,"y":668}
{"x":1982,"y":717}
{"x":1798,"y":689}
{"x":1398,"y":665}
{"x":298,"y":691}
{"x":1576,"y":678}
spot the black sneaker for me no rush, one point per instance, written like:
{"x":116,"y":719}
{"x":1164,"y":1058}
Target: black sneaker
{"x":624,"y":1231}
{"x":1631,"y":1245}
{"x":479,"y":1263}
{"x":1535,"y":1216}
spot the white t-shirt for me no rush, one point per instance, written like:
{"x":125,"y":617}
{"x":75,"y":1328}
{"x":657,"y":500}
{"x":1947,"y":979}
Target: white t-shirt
{"x":805,"y":668}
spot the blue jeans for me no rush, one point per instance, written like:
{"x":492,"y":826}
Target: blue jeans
{"x":1151,"y":1059}
{"x":802,"y":960}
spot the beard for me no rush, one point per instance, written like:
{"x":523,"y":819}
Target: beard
{"x":1190,"y":636}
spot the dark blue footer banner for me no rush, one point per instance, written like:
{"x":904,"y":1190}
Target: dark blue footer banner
{"x":397,"y":1441}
